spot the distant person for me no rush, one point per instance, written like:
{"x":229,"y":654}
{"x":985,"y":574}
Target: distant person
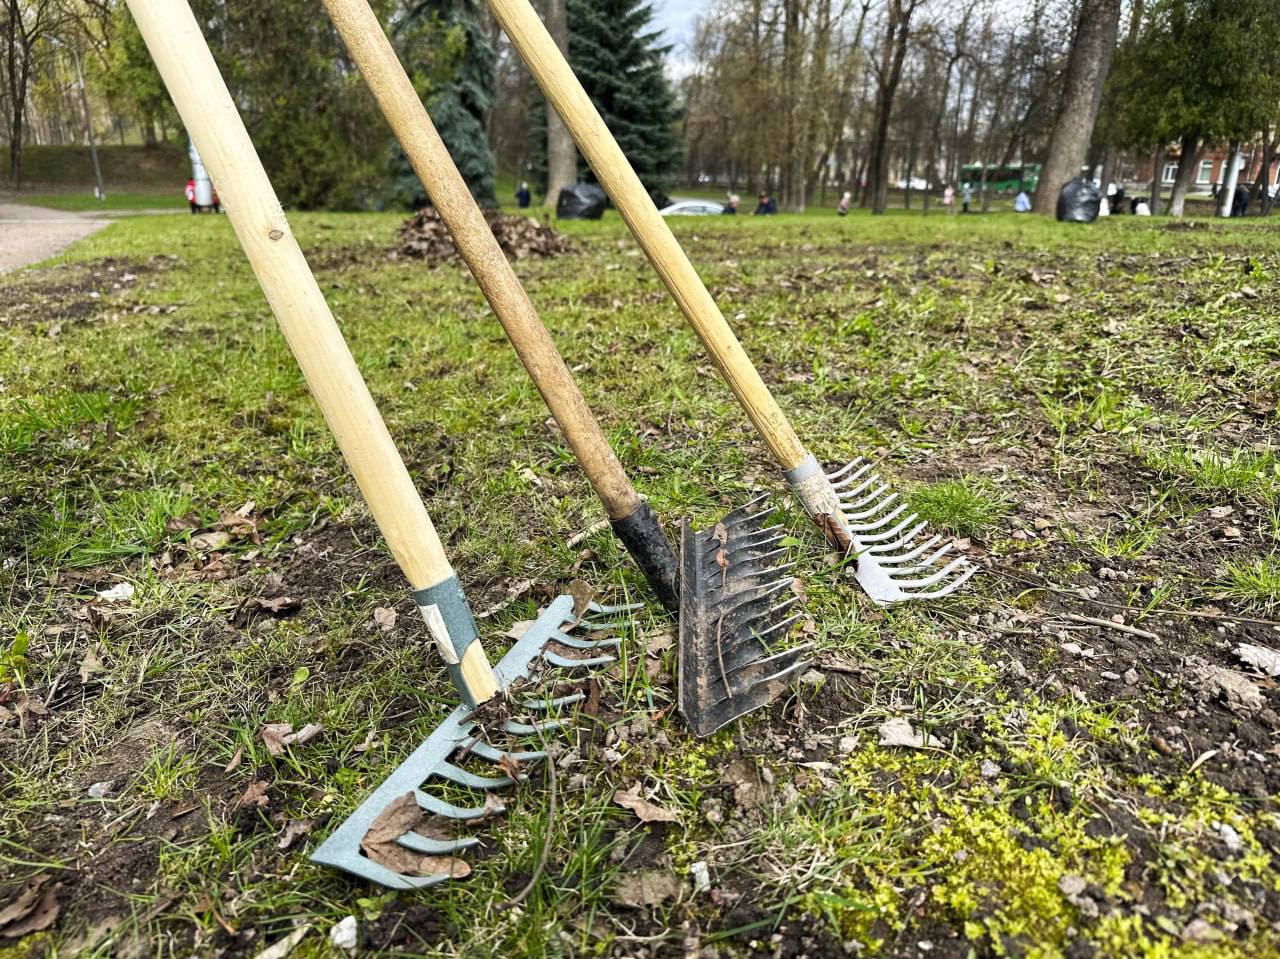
{"x":191,"y":196}
{"x":1104,"y":208}
{"x":1240,"y":200}
{"x":1133,"y":205}
{"x":731,"y":205}
{"x":217,"y":203}
{"x":523,"y":196}
{"x":1022,"y":202}
{"x":765,"y":205}
{"x":966,"y":196}
{"x":949,"y":198}
{"x":842,"y":208}
{"x":1117,"y":199}
{"x":1141,"y":209}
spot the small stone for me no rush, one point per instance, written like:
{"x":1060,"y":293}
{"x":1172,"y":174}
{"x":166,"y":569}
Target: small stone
{"x":713,"y":811}
{"x":1197,"y":930}
{"x":847,"y":744}
{"x":701,"y":877}
{"x":1107,"y":674}
{"x":1106,"y":572}
{"x":343,"y":935}
{"x":1042,"y":523}
{"x":1073,"y":649}
{"x":1071,"y":886}
{"x":1235,"y":845}
{"x":990,"y":769}
{"x":100,"y":790}
{"x":813,"y":678}
{"x":1131,"y":677}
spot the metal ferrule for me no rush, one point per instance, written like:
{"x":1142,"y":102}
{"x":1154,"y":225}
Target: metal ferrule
{"x":453,"y":629}
{"x":814,"y":490}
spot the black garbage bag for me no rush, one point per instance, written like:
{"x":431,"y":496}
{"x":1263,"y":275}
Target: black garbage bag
{"x":1079,"y":202}
{"x":582,"y":201}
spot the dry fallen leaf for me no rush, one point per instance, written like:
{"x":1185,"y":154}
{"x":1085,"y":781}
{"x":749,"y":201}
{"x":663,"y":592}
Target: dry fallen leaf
{"x":511,"y":766}
{"x":294,"y":830}
{"x":210,"y":542}
{"x":89,"y":665}
{"x":255,"y":796}
{"x":645,"y":811}
{"x":278,"y":737}
{"x":898,"y":732}
{"x":518,"y":629}
{"x":31,"y":913}
{"x":274,"y":737}
{"x":234,"y":764}
{"x":583,"y":593}
{"x":379,"y":843}
{"x":1261,"y":658}
{"x":651,"y":887}
{"x":386,"y":618}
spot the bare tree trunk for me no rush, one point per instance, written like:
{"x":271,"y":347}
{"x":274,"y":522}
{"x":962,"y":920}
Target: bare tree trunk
{"x":897,"y":34}
{"x":1186,"y":170}
{"x":562,"y":155}
{"x":1087,"y":68}
{"x":792,"y":192}
{"x":1157,"y":175}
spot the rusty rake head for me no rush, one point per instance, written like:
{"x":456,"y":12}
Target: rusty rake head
{"x":735,"y":612}
{"x":435,"y":766}
{"x":897,"y":559}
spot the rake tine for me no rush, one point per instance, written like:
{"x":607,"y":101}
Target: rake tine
{"x":563,"y":662}
{"x":783,"y":626}
{"x":436,"y":847}
{"x":872,"y":510}
{"x":573,"y":642}
{"x":851,"y":495}
{"x":462,"y":777}
{"x":610,"y":610}
{"x":883,"y":546}
{"x":930,"y":580}
{"x":546,"y":705}
{"x":436,"y":805}
{"x":841,"y":477}
{"x":932,"y":563}
{"x":898,"y":559}
{"x":770,"y":669}
{"x":895,"y":535}
{"x":881,"y":523}
{"x":531,"y":729}
{"x":949,"y":588}
{"x":486,"y":751}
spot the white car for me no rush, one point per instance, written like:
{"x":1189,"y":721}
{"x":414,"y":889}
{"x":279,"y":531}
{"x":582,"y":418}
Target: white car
{"x":693,"y":208}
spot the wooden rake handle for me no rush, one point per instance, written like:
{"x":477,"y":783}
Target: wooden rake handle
{"x":558,"y":82}
{"x":210,"y":116}
{"x":377,"y":62}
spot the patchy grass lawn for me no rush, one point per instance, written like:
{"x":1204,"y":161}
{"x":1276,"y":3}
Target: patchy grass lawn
{"x":116,"y":201}
{"x":1093,"y":410}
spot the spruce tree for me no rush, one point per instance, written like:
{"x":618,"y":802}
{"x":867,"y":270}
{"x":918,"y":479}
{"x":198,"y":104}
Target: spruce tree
{"x":444,"y":46}
{"x":619,"y":59}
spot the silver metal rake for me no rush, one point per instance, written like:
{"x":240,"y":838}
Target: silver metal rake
{"x":435,"y":763}
{"x":896,"y":559}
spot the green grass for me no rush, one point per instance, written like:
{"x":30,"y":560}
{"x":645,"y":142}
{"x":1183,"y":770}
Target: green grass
{"x":1114,"y":380}
{"x":1254,"y":583}
{"x":116,"y":201}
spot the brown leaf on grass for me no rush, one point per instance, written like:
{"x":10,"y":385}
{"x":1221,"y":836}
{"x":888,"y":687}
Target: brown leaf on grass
{"x":294,"y":830}
{"x":255,"y":796}
{"x":721,"y":535}
{"x":274,"y":606}
{"x":750,"y":790}
{"x":275,"y":737}
{"x":385,"y":617}
{"x":645,"y":811}
{"x":511,"y":766}
{"x":234,"y":764}
{"x":179,"y":524}
{"x":90,"y":665}
{"x":583,"y":593}
{"x":278,"y":737}
{"x":28,"y":706}
{"x":592,"y":704}
{"x":835,"y":533}
{"x":379,"y":843}
{"x":650,"y":887}
{"x":32,"y":911}
{"x":210,"y":542}
{"x":518,"y":629}
{"x":658,"y":643}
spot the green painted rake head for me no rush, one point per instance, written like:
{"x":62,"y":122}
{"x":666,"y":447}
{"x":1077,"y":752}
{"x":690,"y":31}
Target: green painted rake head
{"x":436,"y":765}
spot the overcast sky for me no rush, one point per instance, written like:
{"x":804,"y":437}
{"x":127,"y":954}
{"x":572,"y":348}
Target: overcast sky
{"x":676,"y":18}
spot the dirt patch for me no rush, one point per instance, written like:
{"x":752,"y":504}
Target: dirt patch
{"x":72,"y":293}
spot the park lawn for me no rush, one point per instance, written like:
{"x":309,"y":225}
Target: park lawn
{"x":116,"y":201}
{"x":1092,"y":409}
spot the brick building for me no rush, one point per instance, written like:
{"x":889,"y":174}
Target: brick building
{"x":1211,"y":168}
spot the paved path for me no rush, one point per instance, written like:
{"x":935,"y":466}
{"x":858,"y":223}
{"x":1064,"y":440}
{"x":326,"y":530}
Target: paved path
{"x":29,"y":234}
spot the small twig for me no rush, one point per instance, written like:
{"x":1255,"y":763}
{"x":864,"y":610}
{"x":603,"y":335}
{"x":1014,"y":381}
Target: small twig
{"x":1109,"y":624}
{"x":577,"y":538}
{"x":548,"y":834}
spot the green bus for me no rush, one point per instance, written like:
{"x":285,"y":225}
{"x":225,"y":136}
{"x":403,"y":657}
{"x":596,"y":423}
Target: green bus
{"x":1002,"y":179}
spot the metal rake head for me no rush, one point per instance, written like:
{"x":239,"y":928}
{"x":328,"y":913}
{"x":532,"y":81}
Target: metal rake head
{"x":897,"y":560}
{"x":735,"y":610}
{"x":436,"y":763}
